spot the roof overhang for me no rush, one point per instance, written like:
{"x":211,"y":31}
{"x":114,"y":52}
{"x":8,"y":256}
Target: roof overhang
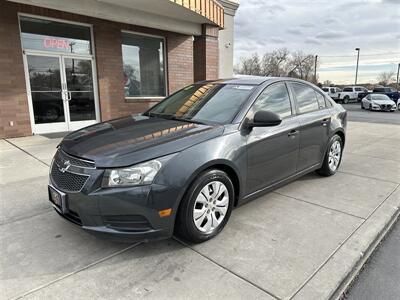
{"x":182,"y":16}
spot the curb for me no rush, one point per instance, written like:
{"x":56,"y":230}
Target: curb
{"x":340,"y":293}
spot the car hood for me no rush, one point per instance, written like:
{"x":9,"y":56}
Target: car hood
{"x":385,"y":102}
{"x":130,"y":140}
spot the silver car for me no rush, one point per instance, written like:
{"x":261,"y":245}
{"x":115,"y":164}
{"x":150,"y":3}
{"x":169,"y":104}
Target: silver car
{"x":378,"y":102}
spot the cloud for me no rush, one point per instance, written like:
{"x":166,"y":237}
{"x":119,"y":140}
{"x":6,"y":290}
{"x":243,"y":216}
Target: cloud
{"x":312,"y":41}
{"x":293,"y":31}
{"x":330,"y":34}
{"x":277,"y":40}
{"x":331,"y":21}
{"x":391,"y":1}
{"x":307,"y":25}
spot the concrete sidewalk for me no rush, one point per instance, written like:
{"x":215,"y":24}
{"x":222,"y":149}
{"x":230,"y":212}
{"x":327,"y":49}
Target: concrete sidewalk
{"x":302,"y":241}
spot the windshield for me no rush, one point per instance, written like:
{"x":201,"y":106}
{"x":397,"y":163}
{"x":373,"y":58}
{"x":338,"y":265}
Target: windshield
{"x":204,"y":103}
{"x":379,"y":97}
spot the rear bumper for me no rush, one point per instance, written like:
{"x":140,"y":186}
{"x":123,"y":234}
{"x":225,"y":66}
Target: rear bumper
{"x":122,"y":214}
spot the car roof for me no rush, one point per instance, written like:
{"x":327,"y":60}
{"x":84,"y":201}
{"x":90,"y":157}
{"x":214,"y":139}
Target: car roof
{"x":241,"y":79}
{"x":378,"y":94}
{"x":252,"y":80}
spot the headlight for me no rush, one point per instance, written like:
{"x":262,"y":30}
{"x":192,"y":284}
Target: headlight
{"x":140,"y":174}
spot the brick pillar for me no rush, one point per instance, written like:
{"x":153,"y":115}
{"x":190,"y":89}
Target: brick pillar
{"x":14,"y":112}
{"x":205,"y":53}
{"x":107,"y":39}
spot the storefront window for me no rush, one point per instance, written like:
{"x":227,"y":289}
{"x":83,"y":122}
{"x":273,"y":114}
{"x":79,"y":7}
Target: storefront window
{"x":46,"y":35}
{"x":144,"y":65}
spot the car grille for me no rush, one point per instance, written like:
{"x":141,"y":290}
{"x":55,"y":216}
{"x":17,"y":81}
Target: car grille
{"x":67,"y":181}
{"x":67,"y":172}
{"x":74,"y":161}
{"x":386,"y":106}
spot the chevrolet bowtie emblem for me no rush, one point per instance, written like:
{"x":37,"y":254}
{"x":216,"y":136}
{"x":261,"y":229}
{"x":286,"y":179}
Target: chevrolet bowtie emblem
{"x":66,"y":166}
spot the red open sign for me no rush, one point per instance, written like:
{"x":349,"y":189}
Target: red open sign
{"x":56,"y":43}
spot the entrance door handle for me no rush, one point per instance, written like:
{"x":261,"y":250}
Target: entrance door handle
{"x":293,"y":133}
{"x":69,"y":96}
{"x":325,"y":122}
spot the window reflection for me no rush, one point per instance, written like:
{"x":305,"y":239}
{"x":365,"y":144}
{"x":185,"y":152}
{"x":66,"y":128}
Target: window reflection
{"x":39,"y":34}
{"x":143,"y":65}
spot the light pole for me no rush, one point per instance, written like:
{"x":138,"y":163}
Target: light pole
{"x":398,"y":71}
{"x":315,"y":69}
{"x":358,"y":58}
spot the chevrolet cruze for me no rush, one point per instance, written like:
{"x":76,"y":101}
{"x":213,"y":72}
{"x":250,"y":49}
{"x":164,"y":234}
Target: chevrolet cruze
{"x":182,"y":166}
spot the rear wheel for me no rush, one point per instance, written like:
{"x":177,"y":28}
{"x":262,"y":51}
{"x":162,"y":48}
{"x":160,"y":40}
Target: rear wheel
{"x":206,"y":207}
{"x":333,"y":157}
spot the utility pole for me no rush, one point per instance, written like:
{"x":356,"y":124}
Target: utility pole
{"x":358,"y":58}
{"x":315,"y":69}
{"x":398,"y":71}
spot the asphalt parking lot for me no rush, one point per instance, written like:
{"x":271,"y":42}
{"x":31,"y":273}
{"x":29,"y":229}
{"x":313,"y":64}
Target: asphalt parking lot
{"x":302,"y":241}
{"x":356,"y":114}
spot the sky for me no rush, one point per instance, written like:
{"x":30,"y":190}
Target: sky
{"x":331,"y":29}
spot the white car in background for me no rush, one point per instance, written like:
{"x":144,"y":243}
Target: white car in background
{"x":378,"y":102}
{"x":332,"y":91}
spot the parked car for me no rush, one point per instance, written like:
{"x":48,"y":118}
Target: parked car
{"x":183,"y":165}
{"x":376,"y":101}
{"x":388,"y":91}
{"x":332,"y":92}
{"x":352,"y":93}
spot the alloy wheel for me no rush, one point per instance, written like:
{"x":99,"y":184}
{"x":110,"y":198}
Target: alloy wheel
{"x":334,"y":155}
{"x":211,"y":206}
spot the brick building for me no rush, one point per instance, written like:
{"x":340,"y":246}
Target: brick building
{"x":68,"y":64}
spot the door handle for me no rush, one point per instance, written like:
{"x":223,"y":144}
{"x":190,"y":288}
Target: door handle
{"x":69,"y":96}
{"x":325,"y":122}
{"x":293,"y":133}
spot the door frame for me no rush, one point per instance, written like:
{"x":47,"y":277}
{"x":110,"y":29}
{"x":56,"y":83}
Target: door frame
{"x":91,"y":57}
{"x":75,"y":125}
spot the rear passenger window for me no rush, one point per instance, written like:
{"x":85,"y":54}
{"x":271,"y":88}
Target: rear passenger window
{"x":306,"y":98}
{"x":274,"y":98}
{"x":321,"y":100}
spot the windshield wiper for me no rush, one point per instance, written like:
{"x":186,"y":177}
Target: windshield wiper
{"x":159,"y":115}
{"x":187,"y":120}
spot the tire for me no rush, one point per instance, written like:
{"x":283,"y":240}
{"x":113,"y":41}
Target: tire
{"x":362,"y":106}
{"x":370,"y":107}
{"x":327,"y":168}
{"x":207,"y":207}
{"x":346,"y":99}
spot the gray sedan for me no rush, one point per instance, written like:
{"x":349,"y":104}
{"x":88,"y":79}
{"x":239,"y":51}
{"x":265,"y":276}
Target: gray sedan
{"x":182,"y":166}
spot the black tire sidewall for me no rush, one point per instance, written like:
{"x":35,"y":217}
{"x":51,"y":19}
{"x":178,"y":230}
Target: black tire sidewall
{"x":325,"y":169}
{"x":185,"y":217}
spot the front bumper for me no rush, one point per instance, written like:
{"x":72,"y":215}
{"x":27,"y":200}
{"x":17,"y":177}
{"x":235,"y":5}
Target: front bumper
{"x":123,"y":213}
{"x":384,"y":108}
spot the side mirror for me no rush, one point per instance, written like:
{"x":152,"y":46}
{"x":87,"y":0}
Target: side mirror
{"x":265,"y":118}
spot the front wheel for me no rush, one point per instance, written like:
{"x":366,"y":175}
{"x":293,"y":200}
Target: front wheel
{"x":206,"y":207}
{"x":346,"y":99}
{"x":333,"y":157}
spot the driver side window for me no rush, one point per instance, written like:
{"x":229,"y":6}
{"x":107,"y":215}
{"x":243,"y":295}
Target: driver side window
{"x":274,"y":98}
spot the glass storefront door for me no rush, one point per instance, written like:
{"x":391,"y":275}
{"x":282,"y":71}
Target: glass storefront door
{"x":79,"y":92}
{"x":61,"y":92}
{"x":60,"y":77}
